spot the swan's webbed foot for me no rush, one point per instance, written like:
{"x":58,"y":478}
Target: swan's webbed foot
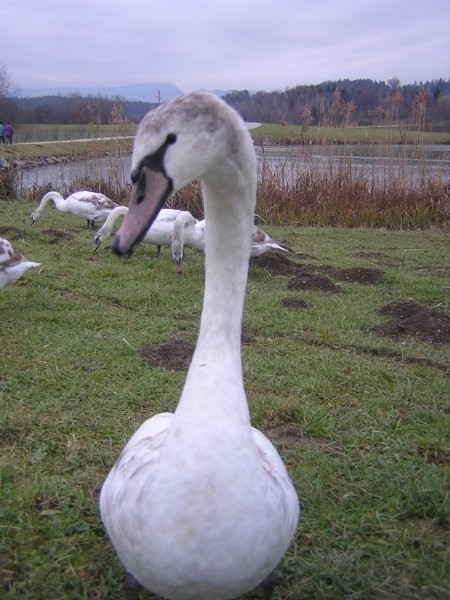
{"x":268,"y":585}
{"x":131,"y":587}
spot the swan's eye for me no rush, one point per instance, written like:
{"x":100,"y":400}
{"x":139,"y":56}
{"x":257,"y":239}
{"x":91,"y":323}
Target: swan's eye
{"x":171,"y":138}
{"x":140,"y":192}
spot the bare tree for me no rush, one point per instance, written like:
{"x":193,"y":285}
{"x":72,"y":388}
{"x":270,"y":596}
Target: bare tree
{"x":394,"y":83}
{"x":6,"y":83}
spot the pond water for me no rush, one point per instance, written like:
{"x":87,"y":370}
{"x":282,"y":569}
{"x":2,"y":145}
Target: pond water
{"x":378,"y":162}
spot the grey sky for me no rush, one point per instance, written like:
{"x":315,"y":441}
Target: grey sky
{"x":229,"y":44}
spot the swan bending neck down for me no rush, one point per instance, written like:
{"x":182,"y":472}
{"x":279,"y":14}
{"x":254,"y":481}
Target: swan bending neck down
{"x":92,"y":206}
{"x":161,"y":233}
{"x":12,"y":264}
{"x":187,"y":230}
{"x":199,"y":504}
{"x":190,"y":232}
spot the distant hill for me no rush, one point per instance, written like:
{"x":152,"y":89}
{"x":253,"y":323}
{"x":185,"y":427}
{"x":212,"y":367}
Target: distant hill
{"x":145,"y":92}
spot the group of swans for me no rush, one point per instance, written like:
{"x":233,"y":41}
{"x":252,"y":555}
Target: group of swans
{"x":12,"y":264}
{"x":177,"y":229}
{"x":91,"y":206}
{"x":199,"y":504}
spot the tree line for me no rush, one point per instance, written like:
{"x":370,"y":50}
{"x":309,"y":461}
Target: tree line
{"x":73,"y":109}
{"x":350,"y":102}
{"x":332,"y":103}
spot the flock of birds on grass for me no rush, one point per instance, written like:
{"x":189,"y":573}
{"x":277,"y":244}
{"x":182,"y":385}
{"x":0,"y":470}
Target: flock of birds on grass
{"x":199,"y":504}
{"x":172,"y":227}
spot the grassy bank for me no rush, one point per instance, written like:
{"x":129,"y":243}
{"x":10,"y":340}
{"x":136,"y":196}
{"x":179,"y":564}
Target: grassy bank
{"x":361,"y":419}
{"x":36,"y":133}
{"x":35,"y":141}
{"x":84,"y":149}
{"x":295,"y":134}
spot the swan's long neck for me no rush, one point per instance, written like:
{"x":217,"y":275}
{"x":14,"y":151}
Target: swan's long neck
{"x":181,"y":222}
{"x":185,"y":218}
{"x":106,"y":229}
{"x":229,"y":212}
{"x":57,"y":199}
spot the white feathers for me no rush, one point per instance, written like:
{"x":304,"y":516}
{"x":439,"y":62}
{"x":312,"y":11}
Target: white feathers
{"x":91,"y":206}
{"x":199,"y":504}
{"x":12,"y":264}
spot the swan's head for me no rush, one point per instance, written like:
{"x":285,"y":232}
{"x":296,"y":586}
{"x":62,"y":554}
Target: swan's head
{"x":99,"y":237}
{"x":177,"y":253}
{"x":33,"y":217}
{"x":186,"y":139}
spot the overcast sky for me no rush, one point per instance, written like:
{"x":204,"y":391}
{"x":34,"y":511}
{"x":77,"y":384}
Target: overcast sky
{"x":226,"y":44}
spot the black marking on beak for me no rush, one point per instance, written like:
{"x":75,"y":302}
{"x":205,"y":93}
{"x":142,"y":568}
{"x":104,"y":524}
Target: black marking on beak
{"x":154,"y":161}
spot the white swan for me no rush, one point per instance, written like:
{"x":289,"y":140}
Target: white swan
{"x":159,"y":234}
{"x":262,"y":242}
{"x":12,"y":264}
{"x":199,"y":504}
{"x":188,"y":231}
{"x":92,"y":206}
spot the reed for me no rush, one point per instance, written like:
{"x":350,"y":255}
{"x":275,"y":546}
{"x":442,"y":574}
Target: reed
{"x":335,"y":195}
{"x":303,"y":189}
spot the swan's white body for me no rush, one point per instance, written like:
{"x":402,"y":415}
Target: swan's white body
{"x":199,"y":505}
{"x":12,"y":264}
{"x":262,"y":242}
{"x":191,"y":232}
{"x":159,"y":234}
{"x":92,"y":206}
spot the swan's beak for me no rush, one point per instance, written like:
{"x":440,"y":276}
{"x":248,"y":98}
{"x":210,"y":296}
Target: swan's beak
{"x":179,"y":266}
{"x":97,"y":242}
{"x":148,"y":195}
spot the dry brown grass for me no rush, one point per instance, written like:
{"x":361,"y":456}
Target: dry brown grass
{"x":318,"y":194}
{"x":338,"y":198}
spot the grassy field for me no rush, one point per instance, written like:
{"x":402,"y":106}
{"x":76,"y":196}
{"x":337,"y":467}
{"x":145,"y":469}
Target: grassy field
{"x":360,"y":419}
{"x":347,"y":135}
{"x":91,"y":148}
{"x":35,"y":141}
{"x":58,"y":132}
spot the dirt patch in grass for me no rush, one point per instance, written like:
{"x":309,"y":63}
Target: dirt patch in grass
{"x":276,"y":264}
{"x":415,"y":319}
{"x":248,"y":335}
{"x":279,"y":264}
{"x":13,"y":233}
{"x":308,"y":281}
{"x":174,"y":355}
{"x":434,"y":454}
{"x":294,"y":303}
{"x":56,"y":235}
{"x":293,"y":434}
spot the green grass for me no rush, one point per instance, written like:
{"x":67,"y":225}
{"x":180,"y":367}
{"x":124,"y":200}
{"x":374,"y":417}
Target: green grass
{"x":91,"y":148}
{"x":276,"y":132}
{"x":55,"y":138}
{"x":372,"y":470}
{"x":50,"y":132}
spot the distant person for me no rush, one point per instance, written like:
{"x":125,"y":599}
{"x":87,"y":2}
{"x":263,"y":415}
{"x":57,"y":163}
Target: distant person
{"x":2,"y":133}
{"x":9,"y":132}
